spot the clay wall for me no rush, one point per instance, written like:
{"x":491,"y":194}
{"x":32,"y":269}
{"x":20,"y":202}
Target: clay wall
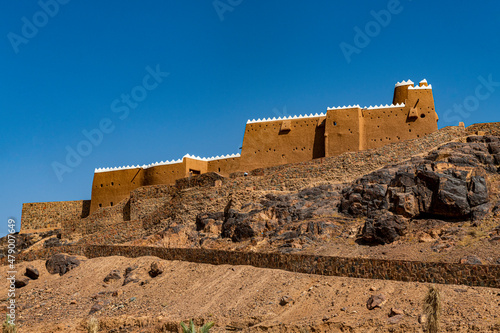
{"x":415,"y":271}
{"x":42,"y":215}
{"x":343,"y":131}
{"x":224,"y":166}
{"x":164,"y":174}
{"x":111,"y":187}
{"x":271,"y":143}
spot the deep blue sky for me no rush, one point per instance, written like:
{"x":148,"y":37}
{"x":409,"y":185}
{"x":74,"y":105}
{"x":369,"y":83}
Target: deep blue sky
{"x":255,"y":59}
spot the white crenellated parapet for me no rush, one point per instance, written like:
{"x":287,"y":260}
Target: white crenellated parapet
{"x":147,"y":166}
{"x":404,"y":83}
{"x":213,"y":158}
{"x":387,"y":106}
{"x":421,"y":87}
{"x":423,"y":81}
{"x":285,"y":118}
{"x":343,"y":107}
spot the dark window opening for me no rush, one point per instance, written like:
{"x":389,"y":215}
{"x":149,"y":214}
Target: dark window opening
{"x":194,"y":172}
{"x":101,"y":185}
{"x":111,"y":204}
{"x":422,"y":115}
{"x":100,"y":205}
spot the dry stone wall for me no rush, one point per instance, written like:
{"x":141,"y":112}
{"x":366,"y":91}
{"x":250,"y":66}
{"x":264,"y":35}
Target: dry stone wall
{"x":487,"y":128}
{"x":42,"y":215}
{"x":414,"y":271}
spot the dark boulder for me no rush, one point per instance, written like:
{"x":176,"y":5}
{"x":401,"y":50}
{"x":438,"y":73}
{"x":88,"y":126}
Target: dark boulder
{"x":237,"y":230}
{"x":383,"y":229}
{"x":61,"y":264}
{"x":471,"y":260}
{"x":32,"y":272}
{"x":113,"y":275}
{"x":21,"y":282}
{"x":155,"y":270}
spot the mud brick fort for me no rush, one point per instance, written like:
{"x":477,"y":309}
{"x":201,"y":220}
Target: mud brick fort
{"x":266,"y":143}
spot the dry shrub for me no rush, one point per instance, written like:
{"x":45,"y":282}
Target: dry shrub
{"x":432,"y":309}
{"x":93,"y":325}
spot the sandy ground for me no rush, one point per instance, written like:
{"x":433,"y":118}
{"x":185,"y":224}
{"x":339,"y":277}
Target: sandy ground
{"x":236,"y":298}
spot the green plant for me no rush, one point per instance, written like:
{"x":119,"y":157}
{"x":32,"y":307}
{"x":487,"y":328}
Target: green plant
{"x":93,"y":325}
{"x":432,"y":309}
{"x":8,"y":327}
{"x":192,"y":328}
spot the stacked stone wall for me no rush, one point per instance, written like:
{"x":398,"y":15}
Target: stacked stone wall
{"x":147,"y":199}
{"x":43,"y":215}
{"x":487,"y":128}
{"x":414,"y":271}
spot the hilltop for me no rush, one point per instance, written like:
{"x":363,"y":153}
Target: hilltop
{"x":434,"y":199}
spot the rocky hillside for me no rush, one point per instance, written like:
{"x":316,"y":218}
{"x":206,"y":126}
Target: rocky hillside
{"x":433,"y":199}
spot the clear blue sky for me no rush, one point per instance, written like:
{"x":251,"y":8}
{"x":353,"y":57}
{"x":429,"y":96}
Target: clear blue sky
{"x":229,"y":60}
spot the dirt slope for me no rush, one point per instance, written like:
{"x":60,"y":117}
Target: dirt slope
{"x":237,"y":298}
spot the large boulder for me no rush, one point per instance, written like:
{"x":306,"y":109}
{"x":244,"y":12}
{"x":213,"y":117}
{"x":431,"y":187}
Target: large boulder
{"x":61,"y":263}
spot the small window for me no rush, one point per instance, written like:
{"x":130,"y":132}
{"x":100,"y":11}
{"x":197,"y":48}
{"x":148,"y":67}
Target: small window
{"x":194,"y":172}
{"x":100,"y":205}
{"x":334,"y":123}
{"x":101,"y":185}
{"x":112,"y":183}
{"x":422,"y":115}
{"x":111,"y":203}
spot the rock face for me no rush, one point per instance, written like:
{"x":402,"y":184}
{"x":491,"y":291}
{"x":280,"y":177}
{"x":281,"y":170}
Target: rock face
{"x":61,"y":264}
{"x":450,"y":183}
{"x":384,"y":228}
{"x":274,"y":215}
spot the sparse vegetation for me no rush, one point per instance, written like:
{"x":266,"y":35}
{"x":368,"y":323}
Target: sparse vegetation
{"x":7,"y":327}
{"x":432,"y":309}
{"x":192,"y":328}
{"x":93,"y":325}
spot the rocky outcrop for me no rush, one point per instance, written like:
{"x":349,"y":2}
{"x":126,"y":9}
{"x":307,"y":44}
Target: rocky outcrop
{"x":276,"y":216}
{"x":450,"y":183}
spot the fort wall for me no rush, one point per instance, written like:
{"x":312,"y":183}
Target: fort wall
{"x":272,"y":142}
{"x":269,"y":143}
{"x":43,"y":215}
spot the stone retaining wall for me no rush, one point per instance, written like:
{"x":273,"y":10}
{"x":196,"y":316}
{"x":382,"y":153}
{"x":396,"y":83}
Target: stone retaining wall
{"x":431,"y":272}
{"x":42,"y":215}
{"x":487,"y":128}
